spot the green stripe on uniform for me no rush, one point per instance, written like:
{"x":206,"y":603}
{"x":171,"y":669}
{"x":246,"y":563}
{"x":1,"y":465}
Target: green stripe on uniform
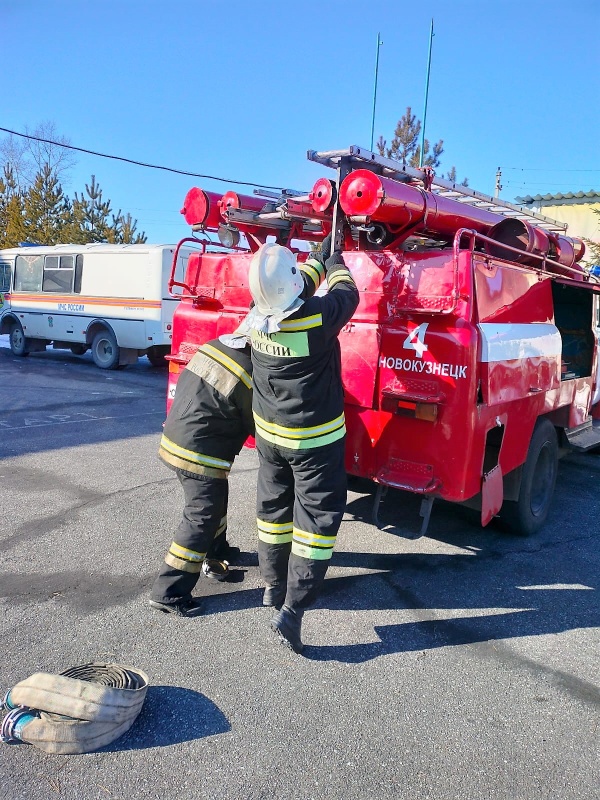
{"x":301,"y":438}
{"x":302,"y":444}
{"x":314,"y":553}
{"x":339,"y":276}
{"x":314,"y":270}
{"x":280,"y":538}
{"x":183,"y":552}
{"x":274,"y":532}
{"x":302,"y":323}
{"x":313,"y":539}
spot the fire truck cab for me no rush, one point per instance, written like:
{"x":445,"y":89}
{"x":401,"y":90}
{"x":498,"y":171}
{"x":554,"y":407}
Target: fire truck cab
{"x":471,"y":362}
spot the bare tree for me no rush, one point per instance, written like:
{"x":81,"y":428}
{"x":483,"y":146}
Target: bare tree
{"x":49,"y":152}
{"x":13,"y":156}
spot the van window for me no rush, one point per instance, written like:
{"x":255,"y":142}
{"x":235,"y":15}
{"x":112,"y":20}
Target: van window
{"x":58,"y":274}
{"x":4,"y":277}
{"x":28,"y":273}
{"x":78,"y":273}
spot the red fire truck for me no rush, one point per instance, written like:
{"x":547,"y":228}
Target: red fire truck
{"x":472,"y":360}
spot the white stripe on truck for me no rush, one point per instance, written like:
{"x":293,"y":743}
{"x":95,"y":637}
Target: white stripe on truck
{"x":509,"y":342}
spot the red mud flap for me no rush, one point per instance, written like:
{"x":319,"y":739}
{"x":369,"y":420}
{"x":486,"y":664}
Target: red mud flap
{"x":492,"y":494}
{"x":411,"y":477}
{"x":408,"y":475}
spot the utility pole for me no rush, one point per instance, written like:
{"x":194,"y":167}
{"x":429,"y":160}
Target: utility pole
{"x":421,"y":155}
{"x":379,"y":43}
{"x":498,"y":188}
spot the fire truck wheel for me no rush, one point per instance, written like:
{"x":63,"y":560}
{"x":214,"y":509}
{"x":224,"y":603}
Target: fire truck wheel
{"x":105,"y":350}
{"x":527,"y":515}
{"x":19,"y":344}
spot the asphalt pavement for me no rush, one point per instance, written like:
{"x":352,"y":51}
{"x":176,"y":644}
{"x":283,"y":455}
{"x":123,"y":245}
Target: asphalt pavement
{"x":460,"y":665}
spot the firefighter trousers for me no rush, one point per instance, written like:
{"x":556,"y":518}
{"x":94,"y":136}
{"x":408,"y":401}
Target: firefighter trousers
{"x":301,"y":498}
{"x":204,"y":519}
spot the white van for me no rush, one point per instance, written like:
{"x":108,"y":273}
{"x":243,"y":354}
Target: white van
{"x":112,"y":299}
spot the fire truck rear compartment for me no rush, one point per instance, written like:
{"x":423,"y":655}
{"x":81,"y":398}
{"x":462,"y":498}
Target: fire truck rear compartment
{"x":573,"y":310}
{"x":574,"y":318}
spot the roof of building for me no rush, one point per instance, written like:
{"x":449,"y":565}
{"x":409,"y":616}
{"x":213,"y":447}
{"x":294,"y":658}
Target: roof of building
{"x":559,"y":197}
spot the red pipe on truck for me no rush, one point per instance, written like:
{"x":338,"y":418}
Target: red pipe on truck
{"x":323,"y":195}
{"x":365,"y":194}
{"x":242,"y":201}
{"x":201,"y":209}
{"x":534,"y":242}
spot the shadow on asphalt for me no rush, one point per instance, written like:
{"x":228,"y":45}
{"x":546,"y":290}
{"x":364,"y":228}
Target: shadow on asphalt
{"x":496,"y":586}
{"x":54,"y":399}
{"x":170,"y":715}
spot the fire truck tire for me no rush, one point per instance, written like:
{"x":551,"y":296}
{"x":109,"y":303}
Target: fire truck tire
{"x":528,"y":514}
{"x":105,"y":350}
{"x":19,"y":344}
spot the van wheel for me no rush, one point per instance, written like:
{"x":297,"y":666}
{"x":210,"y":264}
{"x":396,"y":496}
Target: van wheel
{"x":105,"y":350}
{"x":78,"y":349}
{"x":19,"y":344}
{"x":528,"y":514}
{"x":156,"y":356}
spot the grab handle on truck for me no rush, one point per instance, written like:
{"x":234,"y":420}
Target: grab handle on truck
{"x":172,"y":281}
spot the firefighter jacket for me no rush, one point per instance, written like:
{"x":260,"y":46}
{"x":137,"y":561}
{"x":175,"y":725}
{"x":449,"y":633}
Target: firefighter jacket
{"x":211,"y":415}
{"x":298,"y":394}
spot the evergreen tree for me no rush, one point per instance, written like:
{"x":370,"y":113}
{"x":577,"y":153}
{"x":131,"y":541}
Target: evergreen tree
{"x":592,"y":255}
{"x":14,"y":157}
{"x":405,"y":146}
{"x":123,"y":230}
{"x":34,"y":207}
{"x":12,"y":218}
{"x":46,"y":209}
{"x":93,"y":213}
{"x":451,"y":176}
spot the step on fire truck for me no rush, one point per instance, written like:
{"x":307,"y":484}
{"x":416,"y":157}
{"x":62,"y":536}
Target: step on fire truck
{"x":472,"y":359}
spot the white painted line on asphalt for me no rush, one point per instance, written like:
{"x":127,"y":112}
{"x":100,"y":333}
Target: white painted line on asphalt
{"x":66,"y":419}
{"x":543,"y":586}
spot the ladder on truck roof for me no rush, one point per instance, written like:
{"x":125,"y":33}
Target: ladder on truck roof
{"x":360,"y":157}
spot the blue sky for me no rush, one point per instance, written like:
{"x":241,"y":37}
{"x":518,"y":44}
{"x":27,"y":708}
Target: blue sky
{"x":243,"y":89}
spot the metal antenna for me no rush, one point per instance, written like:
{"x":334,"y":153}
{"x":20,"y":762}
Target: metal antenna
{"x":379,"y":43}
{"x":422,"y":153}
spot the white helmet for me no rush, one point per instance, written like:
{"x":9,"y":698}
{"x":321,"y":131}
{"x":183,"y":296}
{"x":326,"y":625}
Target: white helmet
{"x":275,"y":280}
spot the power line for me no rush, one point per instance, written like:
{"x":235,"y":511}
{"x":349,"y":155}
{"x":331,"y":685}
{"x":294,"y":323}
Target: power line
{"x":550,"y":169}
{"x":537,"y":183}
{"x":140,"y":163}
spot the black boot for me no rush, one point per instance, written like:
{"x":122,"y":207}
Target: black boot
{"x":274,"y":596}
{"x":287,"y":623}
{"x":184,"y":607}
{"x":221,"y":550}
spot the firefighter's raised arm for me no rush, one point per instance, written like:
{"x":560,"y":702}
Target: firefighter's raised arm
{"x":341,"y":300}
{"x":313,"y":269}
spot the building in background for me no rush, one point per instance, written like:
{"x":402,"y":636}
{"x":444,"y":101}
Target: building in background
{"x":581,"y":212}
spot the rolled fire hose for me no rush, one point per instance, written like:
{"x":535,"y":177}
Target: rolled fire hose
{"x":80,"y":710}
{"x":215,"y":569}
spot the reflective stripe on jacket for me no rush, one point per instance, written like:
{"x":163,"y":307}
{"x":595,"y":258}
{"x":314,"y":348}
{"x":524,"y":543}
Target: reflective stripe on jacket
{"x":298,"y":395}
{"x":211,"y":415}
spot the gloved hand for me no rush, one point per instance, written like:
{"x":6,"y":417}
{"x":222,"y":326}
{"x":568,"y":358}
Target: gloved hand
{"x":323,"y":252}
{"x":334,"y":260}
{"x":325,"y":248}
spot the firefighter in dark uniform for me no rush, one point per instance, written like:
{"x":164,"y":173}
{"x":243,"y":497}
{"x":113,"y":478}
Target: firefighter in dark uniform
{"x":207,"y":425}
{"x":299,"y":416}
